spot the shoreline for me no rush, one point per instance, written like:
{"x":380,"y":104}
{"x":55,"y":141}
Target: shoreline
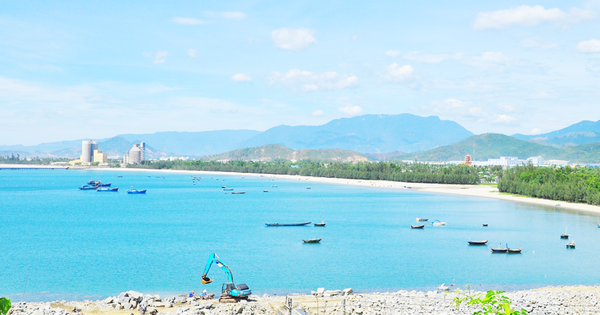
{"x":483,"y":191}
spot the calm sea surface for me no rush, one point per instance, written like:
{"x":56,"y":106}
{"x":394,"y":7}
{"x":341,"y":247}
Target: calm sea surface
{"x":59,"y":242}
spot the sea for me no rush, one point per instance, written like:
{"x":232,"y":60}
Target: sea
{"x":58,"y":242}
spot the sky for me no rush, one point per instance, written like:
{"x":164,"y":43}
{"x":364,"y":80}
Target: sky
{"x":95,"y":69}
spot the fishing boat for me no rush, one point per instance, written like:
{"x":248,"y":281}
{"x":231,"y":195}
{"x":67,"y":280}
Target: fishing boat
{"x":87,"y":187}
{"x":320,"y":224}
{"x":104,"y":185}
{"x":238,"y":192}
{"x":443,"y":287}
{"x":438,"y":223}
{"x":421,"y":219}
{"x":515,"y":250}
{"x":485,"y":224}
{"x":265,"y":191}
{"x":135,"y":191}
{"x":312,"y":240}
{"x":307,"y":187}
{"x":224,"y":187}
{"x":571,"y":245}
{"x":417,"y":226}
{"x":288,"y":224}
{"x":93,"y":182}
{"x":564,"y":236}
{"x":500,"y":249}
{"x":227,"y":189}
{"x":108,"y":189}
{"x":119,"y":176}
{"x":478,"y":242}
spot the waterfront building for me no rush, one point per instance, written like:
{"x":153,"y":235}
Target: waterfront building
{"x":508,"y":161}
{"x":536,"y":161}
{"x":559,"y":163}
{"x":135,"y":155}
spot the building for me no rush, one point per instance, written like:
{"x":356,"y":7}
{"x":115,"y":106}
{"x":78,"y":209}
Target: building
{"x":536,"y":161}
{"x":135,"y":155}
{"x":559,"y":163}
{"x":88,"y":151}
{"x":100,"y":158}
{"x":508,"y":161}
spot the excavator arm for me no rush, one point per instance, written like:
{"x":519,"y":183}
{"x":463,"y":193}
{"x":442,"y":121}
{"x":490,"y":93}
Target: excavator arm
{"x":217,"y":261}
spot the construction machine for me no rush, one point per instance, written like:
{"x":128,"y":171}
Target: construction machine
{"x":230,"y":293}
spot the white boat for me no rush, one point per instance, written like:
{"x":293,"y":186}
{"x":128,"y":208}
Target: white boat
{"x":438,"y":223}
{"x":443,"y":287}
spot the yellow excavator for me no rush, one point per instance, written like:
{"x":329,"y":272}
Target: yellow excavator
{"x":230,"y":293}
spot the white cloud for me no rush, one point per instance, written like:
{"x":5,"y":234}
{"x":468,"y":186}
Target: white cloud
{"x":293,"y":39}
{"x":535,"y":131}
{"x":159,"y":58}
{"x":351,"y":110}
{"x":487,"y":59}
{"x":397,"y":73}
{"x":231,"y":15}
{"x":430,"y":58}
{"x":318,"y":113}
{"x":535,"y":43}
{"x":188,"y":21}
{"x":529,"y":16}
{"x":589,"y":46}
{"x":192,"y":52}
{"x":241,"y":77}
{"x":392,"y":53}
{"x":507,"y":108}
{"x":504,"y":119}
{"x":308,"y":81}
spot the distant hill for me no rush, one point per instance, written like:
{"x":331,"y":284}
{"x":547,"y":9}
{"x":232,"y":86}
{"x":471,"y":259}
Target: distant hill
{"x":275,"y":151}
{"x":580,"y":133}
{"x":367,"y":134}
{"x":486,"y":146}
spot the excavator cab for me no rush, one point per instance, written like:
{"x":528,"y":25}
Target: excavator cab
{"x":227,"y":288}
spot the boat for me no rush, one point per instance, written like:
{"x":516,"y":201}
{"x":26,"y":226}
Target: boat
{"x":320,"y":224}
{"x":478,"y":242}
{"x":227,"y":189}
{"x":108,"y":189}
{"x":307,"y":187}
{"x":443,"y":287}
{"x":238,"y":192}
{"x":135,"y":191}
{"x":87,"y":187}
{"x":119,"y":176}
{"x":571,"y":245}
{"x":312,"y":240}
{"x":288,"y":224}
{"x":265,"y":191}
{"x":224,"y":187}
{"x":564,"y":236}
{"x":417,"y":226}
{"x":438,"y":223}
{"x":421,"y":219}
{"x":485,"y":224}
{"x":500,"y":249}
{"x":515,"y":250}
{"x":104,"y":185}
{"x":93,"y":182}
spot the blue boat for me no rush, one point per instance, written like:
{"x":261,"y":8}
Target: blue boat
{"x":104,"y":185}
{"x":135,"y":191}
{"x":87,"y":187}
{"x":108,"y":189}
{"x":288,"y":224}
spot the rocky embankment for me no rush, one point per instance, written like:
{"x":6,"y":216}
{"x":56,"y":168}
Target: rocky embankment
{"x":551,"y":300}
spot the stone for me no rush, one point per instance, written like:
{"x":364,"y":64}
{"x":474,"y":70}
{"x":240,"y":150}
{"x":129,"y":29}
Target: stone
{"x":347,"y":291}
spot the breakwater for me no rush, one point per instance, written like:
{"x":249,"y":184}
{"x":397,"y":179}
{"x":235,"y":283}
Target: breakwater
{"x":549,"y":300}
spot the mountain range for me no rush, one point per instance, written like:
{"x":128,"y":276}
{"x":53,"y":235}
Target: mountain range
{"x":275,"y":151}
{"x":580,"y":133}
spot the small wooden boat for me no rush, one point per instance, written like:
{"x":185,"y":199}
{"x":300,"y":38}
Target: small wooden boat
{"x":104,"y":185}
{"x":421,"y":219}
{"x":485,"y":224}
{"x":571,"y":245}
{"x":312,"y":240}
{"x":478,"y":242}
{"x":417,"y":226}
{"x":288,"y":224}
{"x":515,"y":250}
{"x":265,"y":191}
{"x":564,"y":236}
{"x":500,"y":249}
{"x":108,"y":189}
{"x":87,"y":187}
{"x":320,"y":224}
{"x":307,"y":187}
{"x":135,"y":191}
{"x":227,"y":189}
{"x":238,"y":192}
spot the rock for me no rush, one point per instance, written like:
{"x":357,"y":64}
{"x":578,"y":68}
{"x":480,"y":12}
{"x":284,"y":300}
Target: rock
{"x":156,"y":297}
{"x":348,"y":291}
{"x":108,"y":300}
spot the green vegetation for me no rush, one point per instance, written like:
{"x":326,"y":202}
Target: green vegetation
{"x":16,"y":159}
{"x":493,"y":302}
{"x":490,"y":145}
{"x":413,"y":172}
{"x":275,"y":151}
{"x":580,"y":185}
{"x":5,"y":305}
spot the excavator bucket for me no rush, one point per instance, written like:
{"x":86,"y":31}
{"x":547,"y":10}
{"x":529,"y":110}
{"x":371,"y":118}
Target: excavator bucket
{"x":205,"y":280}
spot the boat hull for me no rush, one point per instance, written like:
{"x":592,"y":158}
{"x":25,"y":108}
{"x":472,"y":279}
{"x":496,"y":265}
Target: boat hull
{"x":499,"y":250}
{"x":417,"y":226}
{"x":312,"y":241}
{"x":320,"y":224}
{"x":108,"y":189}
{"x":288,"y":224}
{"x":478,"y":242}
{"x":136,"y":192}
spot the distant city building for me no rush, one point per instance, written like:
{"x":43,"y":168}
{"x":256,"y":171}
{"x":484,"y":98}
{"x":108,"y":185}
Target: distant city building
{"x":508,"y":161}
{"x":135,"y":155}
{"x":176,"y":158}
{"x":556,"y":162}
{"x":99,"y":157}
{"x":90,"y":154}
{"x":536,"y":161}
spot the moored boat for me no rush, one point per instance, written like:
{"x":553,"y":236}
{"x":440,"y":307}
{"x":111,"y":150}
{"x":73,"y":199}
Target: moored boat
{"x":417,"y":226}
{"x":438,"y":223}
{"x":104,"y":185}
{"x":421,"y":219}
{"x":571,"y":245}
{"x":87,"y":187}
{"x":227,"y":189}
{"x":320,"y":224}
{"x":115,"y":189}
{"x":515,"y":250}
{"x":564,"y":236}
{"x":238,"y":192}
{"x":312,"y":240}
{"x":265,"y":191}
{"x":135,"y":191}
{"x":485,"y":224}
{"x":288,"y":224}
{"x":500,"y":249}
{"x":478,"y":242}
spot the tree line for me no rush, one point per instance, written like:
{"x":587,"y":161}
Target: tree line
{"x":406,"y":172}
{"x":17,"y":159}
{"x":581,"y":184}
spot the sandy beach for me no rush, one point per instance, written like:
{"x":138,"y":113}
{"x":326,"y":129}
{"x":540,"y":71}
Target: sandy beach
{"x":484,"y":191}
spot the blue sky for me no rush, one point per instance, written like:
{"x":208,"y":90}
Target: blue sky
{"x":95,"y":69}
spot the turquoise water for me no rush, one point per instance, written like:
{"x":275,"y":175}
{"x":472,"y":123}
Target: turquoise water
{"x":60,"y":242}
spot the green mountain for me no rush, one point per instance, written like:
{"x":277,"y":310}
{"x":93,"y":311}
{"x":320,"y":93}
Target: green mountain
{"x":367,"y":134}
{"x":490,"y":145}
{"x":577,"y":134}
{"x":275,"y":151}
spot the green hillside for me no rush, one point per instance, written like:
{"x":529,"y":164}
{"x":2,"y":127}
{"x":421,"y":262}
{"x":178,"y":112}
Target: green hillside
{"x":490,"y":145}
{"x":275,"y":151}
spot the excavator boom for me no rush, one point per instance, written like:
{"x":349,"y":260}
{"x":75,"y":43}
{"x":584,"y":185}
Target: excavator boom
{"x":217,"y":261}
